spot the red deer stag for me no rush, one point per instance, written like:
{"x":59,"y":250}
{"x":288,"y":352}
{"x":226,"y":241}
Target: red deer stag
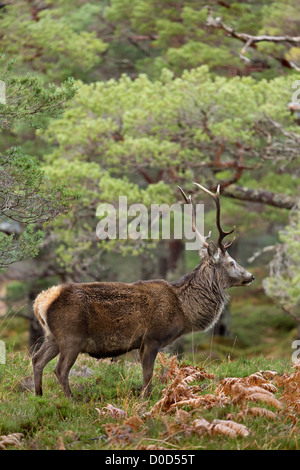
{"x":106,"y":319}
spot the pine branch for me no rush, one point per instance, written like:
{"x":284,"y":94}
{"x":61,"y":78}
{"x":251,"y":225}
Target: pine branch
{"x":281,"y":201}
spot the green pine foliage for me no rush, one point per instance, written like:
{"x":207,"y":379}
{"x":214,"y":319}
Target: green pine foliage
{"x":56,"y":41}
{"x":27,"y":199}
{"x":119,"y":135}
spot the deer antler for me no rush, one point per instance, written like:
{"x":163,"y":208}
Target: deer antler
{"x":222,"y":233}
{"x":202,"y":238}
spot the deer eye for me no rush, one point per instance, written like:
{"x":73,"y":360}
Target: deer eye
{"x":232,"y":263}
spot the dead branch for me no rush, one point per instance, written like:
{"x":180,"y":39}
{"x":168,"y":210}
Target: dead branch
{"x":250,"y":40}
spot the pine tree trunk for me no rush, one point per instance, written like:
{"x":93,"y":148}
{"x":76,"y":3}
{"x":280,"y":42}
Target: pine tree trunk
{"x":298,"y":331}
{"x":36,"y":334}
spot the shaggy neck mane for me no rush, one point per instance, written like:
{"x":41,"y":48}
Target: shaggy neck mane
{"x":201,"y":296}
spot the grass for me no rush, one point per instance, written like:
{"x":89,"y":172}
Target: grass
{"x":52,"y":421}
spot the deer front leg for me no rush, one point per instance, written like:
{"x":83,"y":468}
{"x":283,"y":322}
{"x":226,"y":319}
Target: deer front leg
{"x":148,"y":354}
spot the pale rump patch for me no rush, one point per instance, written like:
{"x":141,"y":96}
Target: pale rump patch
{"x":42,"y":303}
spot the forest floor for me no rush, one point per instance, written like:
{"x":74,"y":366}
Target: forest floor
{"x":248,"y":403}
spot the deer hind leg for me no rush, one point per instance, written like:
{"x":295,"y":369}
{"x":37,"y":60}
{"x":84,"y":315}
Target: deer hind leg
{"x":47,"y":351}
{"x":66,"y":360}
{"x":148,"y":354}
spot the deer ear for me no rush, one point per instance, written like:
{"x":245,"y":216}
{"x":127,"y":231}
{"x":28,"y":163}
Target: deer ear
{"x":213,"y":251}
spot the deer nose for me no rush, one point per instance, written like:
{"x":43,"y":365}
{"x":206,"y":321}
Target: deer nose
{"x":253,"y":277}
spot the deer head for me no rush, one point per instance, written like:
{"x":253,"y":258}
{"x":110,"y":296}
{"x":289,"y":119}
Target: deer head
{"x":226,"y":269}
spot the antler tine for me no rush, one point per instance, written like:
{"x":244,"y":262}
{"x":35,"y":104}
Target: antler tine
{"x":222,"y":233}
{"x":188,"y":200}
{"x":228,"y":244}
